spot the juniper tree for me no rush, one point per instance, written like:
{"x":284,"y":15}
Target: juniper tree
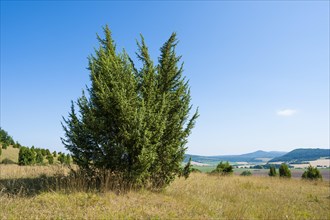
{"x":284,"y":171}
{"x":39,"y":157}
{"x":50,"y":158}
{"x":312,"y":173}
{"x":223,"y":169}
{"x":187,"y":169}
{"x":26,"y":156}
{"x":272,"y":171}
{"x":67,"y":159}
{"x":61,"y":158}
{"x":133,"y":122}
{"x":4,"y":145}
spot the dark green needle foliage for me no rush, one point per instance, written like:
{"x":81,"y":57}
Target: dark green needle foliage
{"x":187,"y":169}
{"x":26,"y":156}
{"x":5,"y":139}
{"x":133,"y":122}
{"x":39,"y":157}
{"x":272,"y":171}
{"x":284,"y":171}
{"x":50,"y":159}
{"x":223,"y":169}
{"x":246,"y":173}
{"x":312,"y":173}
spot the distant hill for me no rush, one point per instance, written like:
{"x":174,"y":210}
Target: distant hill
{"x":257,"y":156}
{"x":302,"y":154}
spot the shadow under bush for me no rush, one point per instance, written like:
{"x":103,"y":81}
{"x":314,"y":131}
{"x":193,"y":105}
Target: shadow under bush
{"x":75,"y":181}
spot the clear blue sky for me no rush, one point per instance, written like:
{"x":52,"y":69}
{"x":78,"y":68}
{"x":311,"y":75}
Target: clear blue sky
{"x":259,"y":71}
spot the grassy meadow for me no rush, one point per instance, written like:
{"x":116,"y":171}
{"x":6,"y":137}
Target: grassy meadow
{"x":201,"y":196}
{"x":10,"y":153}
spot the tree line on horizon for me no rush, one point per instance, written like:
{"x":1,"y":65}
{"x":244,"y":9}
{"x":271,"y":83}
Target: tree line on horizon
{"x":33,"y":155}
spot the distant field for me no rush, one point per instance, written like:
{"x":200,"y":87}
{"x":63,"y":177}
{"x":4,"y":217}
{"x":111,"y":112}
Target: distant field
{"x":296,"y":173}
{"x":201,"y":196}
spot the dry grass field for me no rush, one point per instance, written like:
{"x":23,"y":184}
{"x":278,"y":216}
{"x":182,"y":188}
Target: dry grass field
{"x":10,"y":153}
{"x":201,"y":196}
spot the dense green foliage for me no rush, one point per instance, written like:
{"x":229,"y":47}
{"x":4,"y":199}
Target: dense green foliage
{"x":17,"y":145}
{"x":26,"y":156}
{"x":64,"y":159}
{"x":4,"y":145}
{"x":39,"y":158}
{"x":284,"y":171}
{"x":187,"y":169}
{"x":312,"y":173}
{"x":301,"y":155}
{"x":50,"y":159}
{"x":272,"y":171}
{"x":5,"y":138}
{"x":246,"y":173}
{"x":223,"y":169}
{"x":134,"y":122}
{"x":32,"y":156}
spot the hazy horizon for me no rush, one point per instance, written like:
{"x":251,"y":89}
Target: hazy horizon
{"x":258,"y":71}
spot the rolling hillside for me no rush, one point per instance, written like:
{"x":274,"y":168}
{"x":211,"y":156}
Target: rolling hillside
{"x":257,"y":156}
{"x":302,"y":155}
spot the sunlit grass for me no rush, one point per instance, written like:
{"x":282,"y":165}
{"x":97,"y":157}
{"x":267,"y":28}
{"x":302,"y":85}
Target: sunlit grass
{"x":201,"y":196}
{"x":10,"y":153}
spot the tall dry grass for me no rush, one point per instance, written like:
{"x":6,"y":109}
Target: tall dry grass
{"x":199,"y":197}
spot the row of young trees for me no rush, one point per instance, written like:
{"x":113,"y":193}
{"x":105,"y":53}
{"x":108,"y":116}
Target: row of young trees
{"x":311,"y":173}
{"x":284,"y":171}
{"x":5,"y":139}
{"x":31,"y":156}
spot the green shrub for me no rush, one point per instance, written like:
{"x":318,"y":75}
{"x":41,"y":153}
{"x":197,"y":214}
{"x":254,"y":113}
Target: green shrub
{"x":5,"y":138}
{"x":39,"y":157}
{"x":67,"y":160}
{"x":17,"y":145}
{"x":284,"y":171}
{"x":223,"y":169}
{"x":312,"y":173}
{"x":272,"y":171}
{"x":61,"y":158}
{"x":26,"y":156}
{"x":43,"y":152}
{"x":246,"y":173}
{"x":187,"y":169}
{"x":4,"y":145}
{"x":50,"y":159}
